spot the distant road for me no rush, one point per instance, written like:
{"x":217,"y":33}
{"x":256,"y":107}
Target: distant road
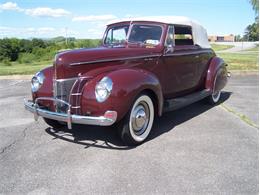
{"x":238,"y":46}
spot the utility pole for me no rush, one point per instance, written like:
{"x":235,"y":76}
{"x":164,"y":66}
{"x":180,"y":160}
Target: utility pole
{"x":66,"y":35}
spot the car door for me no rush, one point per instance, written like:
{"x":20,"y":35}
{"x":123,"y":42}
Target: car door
{"x":180,"y":60}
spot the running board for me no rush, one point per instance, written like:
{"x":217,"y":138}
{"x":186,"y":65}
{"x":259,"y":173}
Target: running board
{"x":176,"y":103}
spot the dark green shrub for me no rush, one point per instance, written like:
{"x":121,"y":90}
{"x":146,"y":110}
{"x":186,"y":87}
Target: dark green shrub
{"x":26,"y":58}
{"x":7,"y":62}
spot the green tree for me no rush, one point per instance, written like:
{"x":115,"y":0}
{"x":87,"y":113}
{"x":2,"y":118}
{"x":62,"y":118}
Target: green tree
{"x":252,"y":30}
{"x":26,"y":46}
{"x":9,"y":49}
{"x":238,"y":38}
{"x":38,"y":43}
{"x":255,"y":4}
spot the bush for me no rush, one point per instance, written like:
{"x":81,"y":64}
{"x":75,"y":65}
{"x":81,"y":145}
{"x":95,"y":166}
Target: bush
{"x":7,"y":62}
{"x":26,"y":58}
{"x":28,"y":51}
{"x":44,"y":54}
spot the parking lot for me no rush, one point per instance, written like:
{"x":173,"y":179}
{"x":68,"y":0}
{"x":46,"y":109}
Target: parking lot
{"x":199,"y":149}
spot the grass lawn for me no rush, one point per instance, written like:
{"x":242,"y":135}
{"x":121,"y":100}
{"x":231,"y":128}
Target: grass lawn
{"x":217,"y":47}
{"x":254,"y":49}
{"x":18,"y":69}
{"x":236,"y":61}
{"x":241,"y":61}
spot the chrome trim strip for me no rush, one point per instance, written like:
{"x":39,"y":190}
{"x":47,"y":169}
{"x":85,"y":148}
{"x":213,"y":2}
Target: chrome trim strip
{"x":76,"y":94}
{"x":68,"y":117}
{"x":140,"y":57}
{"x":182,"y":53}
{"x":114,"y":59}
{"x":69,"y":79}
{"x":75,"y":107}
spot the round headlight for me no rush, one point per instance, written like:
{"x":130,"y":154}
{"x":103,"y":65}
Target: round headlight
{"x":103,"y":89}
{"x":37,"y":81}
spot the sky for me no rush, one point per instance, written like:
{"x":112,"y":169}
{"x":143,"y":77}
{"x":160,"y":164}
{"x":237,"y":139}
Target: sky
{"x":88,"y":18}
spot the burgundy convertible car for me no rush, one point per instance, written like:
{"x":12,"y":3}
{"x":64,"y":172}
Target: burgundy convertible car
{"x":144,"y":67}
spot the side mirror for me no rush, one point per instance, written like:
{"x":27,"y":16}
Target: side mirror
{"x":169,"y":49}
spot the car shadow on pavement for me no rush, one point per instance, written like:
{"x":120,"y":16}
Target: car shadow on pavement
{"x":107,"y":137}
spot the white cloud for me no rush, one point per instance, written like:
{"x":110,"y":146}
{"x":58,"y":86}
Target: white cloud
{"x":10,"y":6}
{"x":38,"y":11}
{"x":94,"y":18}
{"x":46,"y":12}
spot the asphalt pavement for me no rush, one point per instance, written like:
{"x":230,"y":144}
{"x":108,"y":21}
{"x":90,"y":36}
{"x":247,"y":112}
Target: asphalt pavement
{"x":199,"y":149}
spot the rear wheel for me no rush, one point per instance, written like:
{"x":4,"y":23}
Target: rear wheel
{"x":138,"y":122}
{"x":215,"y":96}
{"x":53,"y":123}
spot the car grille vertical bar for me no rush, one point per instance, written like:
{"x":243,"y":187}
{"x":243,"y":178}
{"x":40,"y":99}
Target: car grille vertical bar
{"x":62,"y":92}
{"x":68,"y":90}
{"x":76,"y":93}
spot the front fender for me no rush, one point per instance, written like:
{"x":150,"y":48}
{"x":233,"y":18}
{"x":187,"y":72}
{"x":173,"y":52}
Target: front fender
{"x":217,"y":70}
{"x":45,"y":91}
{"x":46,"y":88}
{"x":127,"y":84}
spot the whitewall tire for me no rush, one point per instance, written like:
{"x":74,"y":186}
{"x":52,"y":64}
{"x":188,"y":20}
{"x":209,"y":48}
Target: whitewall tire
{"x":215,"y":96}
{"x":137,"y":124}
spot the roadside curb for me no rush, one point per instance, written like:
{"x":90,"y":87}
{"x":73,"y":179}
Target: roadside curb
{"x":16,"y":77}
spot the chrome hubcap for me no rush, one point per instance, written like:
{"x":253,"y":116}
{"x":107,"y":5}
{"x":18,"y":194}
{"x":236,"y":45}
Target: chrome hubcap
{"x":140,"y":118}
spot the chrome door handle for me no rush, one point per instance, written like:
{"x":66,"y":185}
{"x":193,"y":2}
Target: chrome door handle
{"x":148,"y":59}
{"x":196,"y":56}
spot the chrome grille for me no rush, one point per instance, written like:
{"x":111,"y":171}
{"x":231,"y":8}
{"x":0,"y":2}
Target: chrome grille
{"x":62,"y":89}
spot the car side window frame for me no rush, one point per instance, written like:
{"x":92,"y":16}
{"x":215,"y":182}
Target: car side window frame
{"x":168,"y":32}
{"x":185,"y":46}
{"x":169,"y":48}
{"x":112,"y":27}
{"x":132,"y":24}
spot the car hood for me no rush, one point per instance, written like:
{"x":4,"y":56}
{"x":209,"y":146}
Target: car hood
{"x":96,"y":60}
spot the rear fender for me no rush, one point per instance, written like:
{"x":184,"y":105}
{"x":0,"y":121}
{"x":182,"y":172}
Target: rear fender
{"x":217,"y":70}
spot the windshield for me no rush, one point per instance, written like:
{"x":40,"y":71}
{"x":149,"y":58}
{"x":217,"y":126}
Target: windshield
{"x":117,"y":35}
{"x":145,"y":34}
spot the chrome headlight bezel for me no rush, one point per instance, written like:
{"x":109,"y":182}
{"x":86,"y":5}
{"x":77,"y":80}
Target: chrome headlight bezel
{"x":37,"y":81}
{"x":103,"y":89}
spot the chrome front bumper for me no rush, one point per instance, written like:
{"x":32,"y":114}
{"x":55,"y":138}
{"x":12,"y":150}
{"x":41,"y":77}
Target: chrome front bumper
{"x":107,"y":119}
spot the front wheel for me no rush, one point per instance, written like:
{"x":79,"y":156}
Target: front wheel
{"x":138,"y":122}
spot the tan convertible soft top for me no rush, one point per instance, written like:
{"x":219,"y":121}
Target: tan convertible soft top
{"x":199,"y":33}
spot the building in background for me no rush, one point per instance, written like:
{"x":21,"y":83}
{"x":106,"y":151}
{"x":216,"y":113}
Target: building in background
{"x":225,"y":38}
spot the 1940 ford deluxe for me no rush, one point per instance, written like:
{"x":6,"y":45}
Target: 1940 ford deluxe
{"x":144,"y":67}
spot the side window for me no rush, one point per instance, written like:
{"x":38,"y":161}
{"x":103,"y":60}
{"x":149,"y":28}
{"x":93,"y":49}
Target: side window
{"x":116,"y":35}
{"x":170,"y":37}
{"x":183,"y":35}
